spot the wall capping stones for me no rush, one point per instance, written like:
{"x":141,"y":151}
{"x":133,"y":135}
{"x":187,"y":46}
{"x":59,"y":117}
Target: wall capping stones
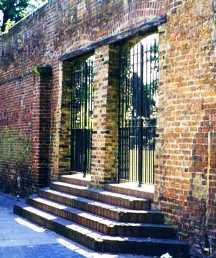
{"x":147,"y":26}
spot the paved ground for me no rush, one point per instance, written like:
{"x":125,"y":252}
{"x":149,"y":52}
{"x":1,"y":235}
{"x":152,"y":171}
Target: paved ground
{"x":21,"y":239}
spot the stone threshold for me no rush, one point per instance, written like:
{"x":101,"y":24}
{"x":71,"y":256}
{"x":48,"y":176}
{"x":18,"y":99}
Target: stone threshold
{"x":131,"y":188}
{"x":127,"y":188}
{"x":78,"y":176}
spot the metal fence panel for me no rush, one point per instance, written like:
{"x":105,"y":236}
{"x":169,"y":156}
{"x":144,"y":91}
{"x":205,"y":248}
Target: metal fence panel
{"x":138,"y":83}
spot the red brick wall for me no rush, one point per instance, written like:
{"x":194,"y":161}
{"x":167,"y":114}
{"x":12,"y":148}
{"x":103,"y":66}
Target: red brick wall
{"x":185,"y":174}
{"x":57,"y":28}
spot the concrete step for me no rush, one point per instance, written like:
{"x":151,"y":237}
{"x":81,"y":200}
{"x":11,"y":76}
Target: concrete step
{"x":103,"y":196}
{"x":102,"y":209}
{"x":102,"y":225}
{"x":104,"y":243}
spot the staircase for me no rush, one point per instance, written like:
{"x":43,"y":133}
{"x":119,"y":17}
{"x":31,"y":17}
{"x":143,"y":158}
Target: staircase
{"x":103,"y":220}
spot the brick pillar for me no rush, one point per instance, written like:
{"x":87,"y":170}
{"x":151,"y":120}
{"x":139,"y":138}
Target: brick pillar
{"x":105,"y":117}
{"x":41,"y":127}
{"x":65,"y":128}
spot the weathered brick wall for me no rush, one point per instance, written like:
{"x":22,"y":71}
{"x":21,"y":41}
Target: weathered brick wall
{"x":105,"y":117}
{"x":185,"y":171}
{"x":41,"y":39}
{"x":16,"y":111}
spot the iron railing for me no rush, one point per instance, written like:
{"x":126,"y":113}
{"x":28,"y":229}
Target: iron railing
{"x":81,"y":112}
{"x":138,"y":83}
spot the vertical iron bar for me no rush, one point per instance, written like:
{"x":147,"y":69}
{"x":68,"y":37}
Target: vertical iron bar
{"x":140,"y":159}
{"x":136,"y":107}
{"x":132,"y":108}
{"x":119,"y":119}
{"x":71,"y":122}
{"x":85,"y":114}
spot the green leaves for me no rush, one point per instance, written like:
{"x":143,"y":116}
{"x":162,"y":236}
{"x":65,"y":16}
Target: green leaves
{"x":14,"y":10}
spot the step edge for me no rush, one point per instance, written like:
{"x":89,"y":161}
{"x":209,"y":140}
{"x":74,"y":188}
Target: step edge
{"x":112,"y":222}
{"x":102,"y":192}
{"x":105,"y":237}
{"x":108,"y":206}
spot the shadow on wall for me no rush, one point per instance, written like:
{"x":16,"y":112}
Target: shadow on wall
{"x":199,"y":217}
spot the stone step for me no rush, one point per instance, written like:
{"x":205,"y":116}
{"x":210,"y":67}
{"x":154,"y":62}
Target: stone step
{"x":102,"y":209}
{"x":102,"y":225}
{"x":103,"y":196}
{"x":132,"y":189}
{"x":76,"y":179}
{"x":104,"y":243}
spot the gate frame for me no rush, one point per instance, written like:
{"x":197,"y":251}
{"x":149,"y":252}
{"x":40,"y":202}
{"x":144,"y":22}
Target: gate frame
{"x":143,"y":54}
{"x":86,"y":73}
{"x":104,"y":164}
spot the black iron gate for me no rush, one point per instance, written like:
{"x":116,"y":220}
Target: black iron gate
{"x":81,"y":112}
{"x":139,"y":73}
